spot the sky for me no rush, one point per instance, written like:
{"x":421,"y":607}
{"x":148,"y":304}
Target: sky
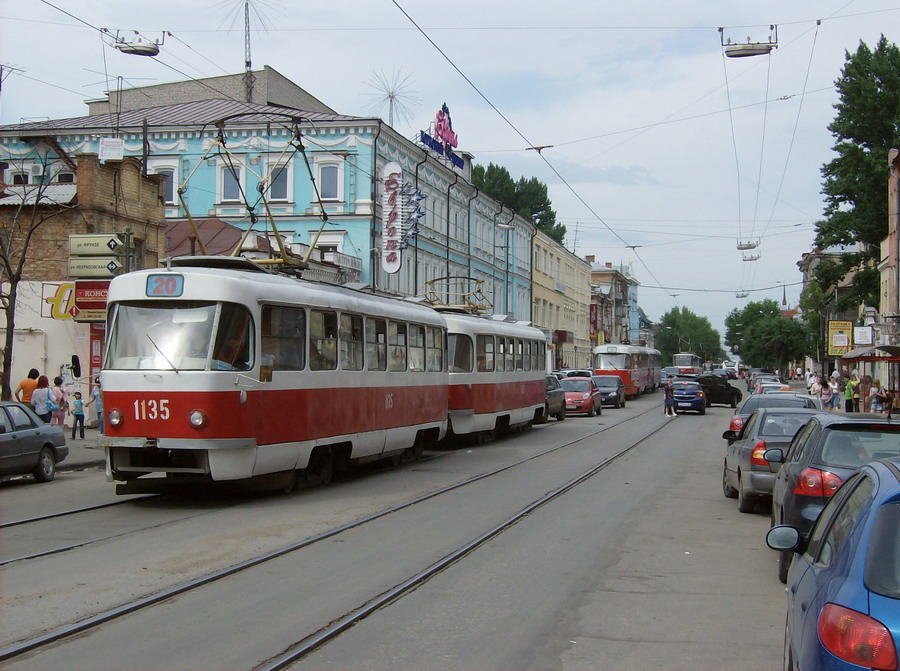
{"x":662,"y":154}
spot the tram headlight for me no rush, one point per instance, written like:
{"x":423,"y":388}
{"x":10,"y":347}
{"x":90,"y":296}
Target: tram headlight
{"x":115,"y":418}
{"x":197,"y":418}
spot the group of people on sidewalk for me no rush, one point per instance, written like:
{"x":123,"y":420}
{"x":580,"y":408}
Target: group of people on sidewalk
{"x":53,"y":402}
{"x":853,"y":393}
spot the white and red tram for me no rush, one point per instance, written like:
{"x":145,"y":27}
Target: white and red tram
{"x":216,"y":370}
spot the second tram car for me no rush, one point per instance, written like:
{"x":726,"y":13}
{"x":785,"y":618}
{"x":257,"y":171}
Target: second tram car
{"x":637,"y":366}
{"x":687,"y":363}
{"x":216,"y":370}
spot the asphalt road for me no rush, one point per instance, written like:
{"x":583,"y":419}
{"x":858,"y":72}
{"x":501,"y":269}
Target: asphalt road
{"x":644,"y":565}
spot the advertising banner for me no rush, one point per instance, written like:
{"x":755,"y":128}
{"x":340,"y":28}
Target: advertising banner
{"x":391,"y":221}
{"x":840,"y":337}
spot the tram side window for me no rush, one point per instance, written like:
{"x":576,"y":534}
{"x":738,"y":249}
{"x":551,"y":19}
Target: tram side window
{"x":322,"y":340}
{"x":460,"y":353}
{"x":485,"y":353}
{"x":435,"y":349}
{"x":510,"y":354}
{"x":233,"y":339}
{"x":526,"y":355}
{"x":283,"y":337}
{"x":520,"y":355}
{"x":540,"y":356}
{"x":397,"y":346}
{"x":351,"y":342}
{"x":376,"y":344}
{"x":416,"y":347}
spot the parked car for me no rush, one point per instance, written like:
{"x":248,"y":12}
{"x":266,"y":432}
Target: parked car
{"x":728,"y":373}
{"x":612,"y":390}
{"x":27,"y":445}
{"x":689,"y":395}
{"x":554,"y":402}
{"x":718,"y":390}
{"x":746,"y":475}
{"x":582,"y":396}
{"x":825,"y":452}
{"x":844,"y":583}
{"x":767,"y":387}
{"x":780,"y":400}
{"x":667,"y":372}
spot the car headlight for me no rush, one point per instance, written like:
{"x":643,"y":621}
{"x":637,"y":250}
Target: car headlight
{"x":115,"y":417}
{"x":197,"y":418}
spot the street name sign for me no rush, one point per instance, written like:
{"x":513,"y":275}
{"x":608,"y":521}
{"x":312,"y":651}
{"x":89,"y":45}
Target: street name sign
{"x":94,"y":245}
{"x":93,"y":266}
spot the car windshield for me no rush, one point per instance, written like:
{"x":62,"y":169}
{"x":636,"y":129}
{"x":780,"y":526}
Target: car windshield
{"x":851,"y":447}
{"x":774,"y":401}
{"x":575,"y":385}
{"x":607,"y":381}
{"x":882,"y":572}
{"x":781,"y":424}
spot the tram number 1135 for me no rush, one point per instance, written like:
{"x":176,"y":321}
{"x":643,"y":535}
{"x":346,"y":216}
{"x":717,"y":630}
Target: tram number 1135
{"x":152,"y":409}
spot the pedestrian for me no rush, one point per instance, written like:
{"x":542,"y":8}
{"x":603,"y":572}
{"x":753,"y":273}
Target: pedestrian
{"x":826,"y":393}
{"x":669,"y":390}
{"x":815,"y":389}
{"x":835,"y":393}
{"x":77,"y":412}
{"x":58,"y":416}
{"x":889,"y":402}
{"x":848,"y":395}
{"x":865,"y":393}
{"x":879,"y":396}
{"x":26,"y":388}
{"x":97,"y":400}
{"x":854,"y":383}
{"x":41,"y":398}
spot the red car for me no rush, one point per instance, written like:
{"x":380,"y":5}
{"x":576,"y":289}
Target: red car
{"x":582,"y":396}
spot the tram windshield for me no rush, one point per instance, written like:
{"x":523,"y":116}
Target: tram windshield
{"x":187,"y":335}
{"x":612,"y":361}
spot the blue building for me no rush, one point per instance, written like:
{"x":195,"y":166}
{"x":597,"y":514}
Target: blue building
{"x":286,"y":165}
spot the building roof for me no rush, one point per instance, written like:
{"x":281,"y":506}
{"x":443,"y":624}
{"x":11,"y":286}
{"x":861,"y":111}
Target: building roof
{"x":219,"y":238}
{"x":180,"y":115}
{"x":28,"y":194}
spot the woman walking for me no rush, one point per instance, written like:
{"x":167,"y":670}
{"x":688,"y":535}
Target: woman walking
{"x":41,"y":397}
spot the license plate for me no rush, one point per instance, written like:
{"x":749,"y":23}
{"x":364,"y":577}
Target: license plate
{"x":684,"y":405}
{"x":570,"y":407}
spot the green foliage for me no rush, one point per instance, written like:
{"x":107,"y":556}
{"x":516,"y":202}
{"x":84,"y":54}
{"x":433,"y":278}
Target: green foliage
{"x":867,"y":125}
{"x":763,"y":337}
{"x":680,"y":330}
{"x":527,"y":197}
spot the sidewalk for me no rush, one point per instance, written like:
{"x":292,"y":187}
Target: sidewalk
{"x":82,"y":453}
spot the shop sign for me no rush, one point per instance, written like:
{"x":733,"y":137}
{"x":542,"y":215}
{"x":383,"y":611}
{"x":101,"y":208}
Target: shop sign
{"x":444,"y":139}
{"x":392,"y":224}
{"x":839,"y":337}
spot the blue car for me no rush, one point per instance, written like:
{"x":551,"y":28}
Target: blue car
{"x":844,"y":581}
{"x":689,"y":395}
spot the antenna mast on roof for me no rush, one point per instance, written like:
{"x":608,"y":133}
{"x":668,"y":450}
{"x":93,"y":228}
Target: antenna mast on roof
{"x":248,"y":63}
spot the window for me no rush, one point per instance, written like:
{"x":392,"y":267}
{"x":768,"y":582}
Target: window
{"x":230,"y":183}
{"x":417,"y":348}
{"x":322,"y":340}
{"x":351,"y":342}
{"x":844,"y":520}
{"x":65,"y":177}
{"x":278,"y":182}
{"x":397,"y":346}
{"x":329,"y":181}
{"x":20,"y":178}
{"x":283,"y":338}
{"x":21,"y":420}
{"x":460,"y":353}
{"x":376,"y":344}
{"x":485,"y":353}
{"x":233,"y":347}
{"x":168,"y":185}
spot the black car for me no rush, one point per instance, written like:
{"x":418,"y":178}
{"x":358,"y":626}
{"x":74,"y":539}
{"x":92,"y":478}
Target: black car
{"x":27,"y":445}
{"x":825,"y":452}
{"x":718,"y":390}
{"x":612,"y":390}
{"x":555,"y":401}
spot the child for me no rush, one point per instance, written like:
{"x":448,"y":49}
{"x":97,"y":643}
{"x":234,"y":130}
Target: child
{"x":77,"y":413}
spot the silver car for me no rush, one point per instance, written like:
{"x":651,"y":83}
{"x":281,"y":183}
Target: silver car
{"x":27,"y":445}
{"x":747,"y":476}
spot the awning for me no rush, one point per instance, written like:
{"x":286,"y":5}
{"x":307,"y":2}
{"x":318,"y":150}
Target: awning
{"x":876,"y":353}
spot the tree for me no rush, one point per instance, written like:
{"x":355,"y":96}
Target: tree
{"x":867,"y":125}
{"x":763,"y":337}
{"x":20,"y":228}
{"x":680,"y":330}
{"x":527,"y":197}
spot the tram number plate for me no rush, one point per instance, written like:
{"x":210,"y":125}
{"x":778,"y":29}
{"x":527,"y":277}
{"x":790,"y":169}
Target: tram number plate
{"x":165,"y":285}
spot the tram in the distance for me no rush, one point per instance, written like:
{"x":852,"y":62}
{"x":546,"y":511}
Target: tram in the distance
{"x":687,"y":363}
{"x":218,"y":370}
{"x":637,"y":366}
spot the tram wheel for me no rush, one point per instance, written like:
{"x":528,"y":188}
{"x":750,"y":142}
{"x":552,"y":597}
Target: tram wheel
{"x":320,"y":468}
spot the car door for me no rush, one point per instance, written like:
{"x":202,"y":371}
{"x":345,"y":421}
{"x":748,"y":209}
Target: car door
{"x":25,"y":430}
{"x":803,"y":443}
{"x":816,"y":573}
{"x":11,"y":460}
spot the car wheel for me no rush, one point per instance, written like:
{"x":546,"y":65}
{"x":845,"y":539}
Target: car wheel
{"x":734,"y":400}
{"x":788,"y":663}
{"x":729,"y":491}
{"x":745,"y":504}
{"x":544,"y":416}
{"x":561,"y":415}
{"x":784,"y":565}
{"x":623,"y":402}
{"x":46,"y":468}
{"x":702,"y":411}
{"x":592,"y":411}
{"x":618,"y":403}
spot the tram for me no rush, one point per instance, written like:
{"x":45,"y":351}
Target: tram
{"x":637,"y":366}
{"x":687,"y":363}
{"x":217,"y":370}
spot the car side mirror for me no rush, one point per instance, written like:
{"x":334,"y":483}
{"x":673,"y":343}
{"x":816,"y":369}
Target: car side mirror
{"x":730,"y":436}
{"x":774,"y":456}
{"x":785,"y":538}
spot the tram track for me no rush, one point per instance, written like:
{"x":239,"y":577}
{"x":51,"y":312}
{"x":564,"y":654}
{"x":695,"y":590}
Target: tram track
{"x":310,"y":643}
